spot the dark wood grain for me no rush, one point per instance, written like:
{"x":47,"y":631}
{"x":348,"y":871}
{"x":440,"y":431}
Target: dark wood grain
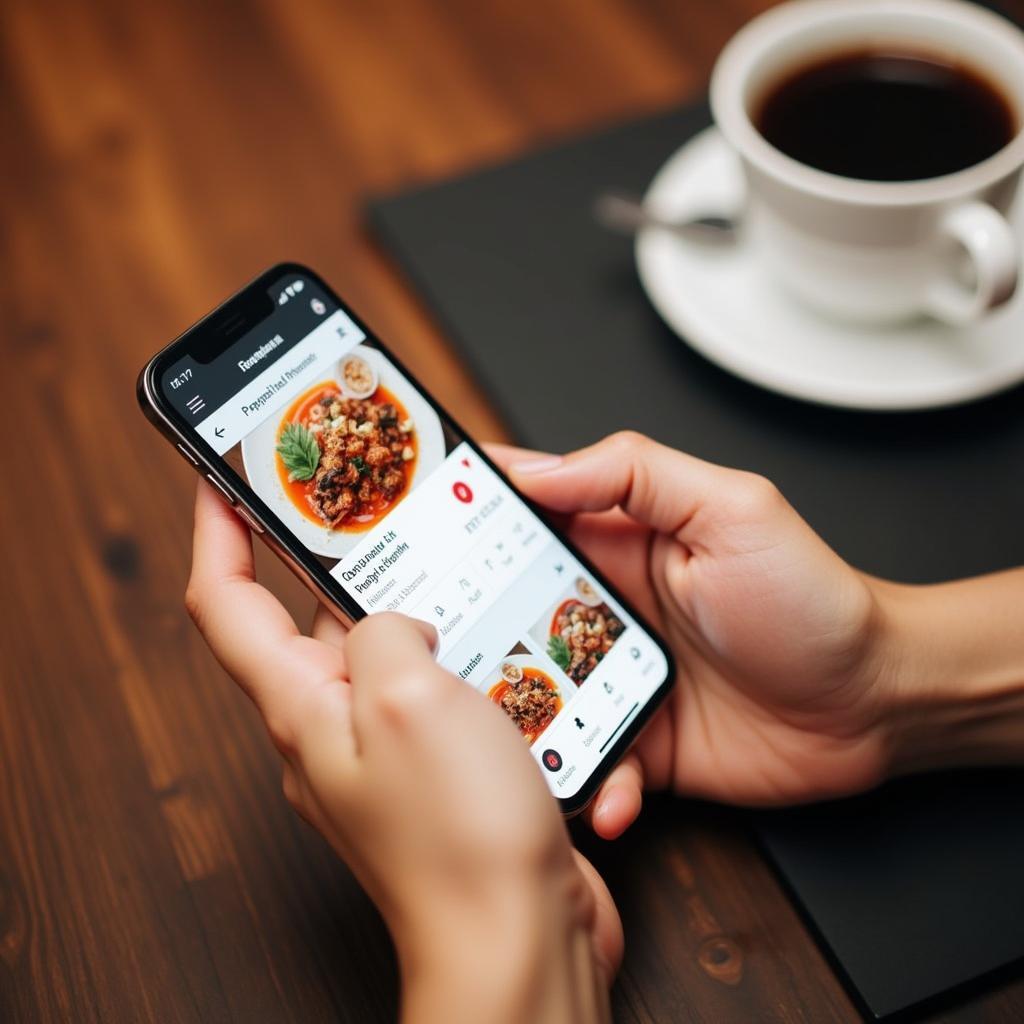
{"x":154,"y":157}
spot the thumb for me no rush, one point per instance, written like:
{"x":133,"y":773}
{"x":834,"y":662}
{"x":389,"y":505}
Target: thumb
{"x":658,"y":486}
{"x":393,"y":672}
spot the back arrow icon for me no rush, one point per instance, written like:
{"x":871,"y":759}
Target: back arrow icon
{"x":218,"y":432}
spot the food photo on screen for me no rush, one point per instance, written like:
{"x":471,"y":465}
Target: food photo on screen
{"x":524,"y":686}
{"x":579,"y":630}
{"x":344,"y":452}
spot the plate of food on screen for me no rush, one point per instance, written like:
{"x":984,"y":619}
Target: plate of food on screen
{"x":344,"y":451}
{"x":526,"y":693}
{"x":581,"y":631}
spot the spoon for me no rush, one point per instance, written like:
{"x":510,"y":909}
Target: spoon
{"x":626,"y":214}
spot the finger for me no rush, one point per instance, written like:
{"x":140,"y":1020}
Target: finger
{"x":328,"y":628}
{"x":504,"y":455}
{"x":618,"y":546}
{"x":618,"y":802}
{"x":656,"y":485}
{"x":394,"y":675}
{"x":611,"y":540}
{"x":322,"y":733}
{"x":244,"y":624}
{"x":607,"y":926}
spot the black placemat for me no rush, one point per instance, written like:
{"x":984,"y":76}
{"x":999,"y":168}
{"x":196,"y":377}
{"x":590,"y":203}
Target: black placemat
{"x":919,"y":887}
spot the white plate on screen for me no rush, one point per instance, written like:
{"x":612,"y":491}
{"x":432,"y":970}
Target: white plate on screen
{"x":724,"y":305}
{"x":260,"y":458}
{"x":529,"y":661}
{"x":541,"y":664}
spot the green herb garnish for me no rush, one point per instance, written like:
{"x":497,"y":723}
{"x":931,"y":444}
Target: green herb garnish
{"x":559,"y":653}
{"x":299,"y":451}
{"x":361,"y":467}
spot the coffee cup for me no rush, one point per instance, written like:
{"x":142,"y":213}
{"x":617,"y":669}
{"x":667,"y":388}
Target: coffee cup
{"x":839,"y":227}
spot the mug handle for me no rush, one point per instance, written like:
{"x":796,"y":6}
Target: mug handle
{"x":990,"y":245}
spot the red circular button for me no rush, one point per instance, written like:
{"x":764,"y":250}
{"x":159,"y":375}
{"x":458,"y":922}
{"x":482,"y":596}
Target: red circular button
{"x":462,"y":492}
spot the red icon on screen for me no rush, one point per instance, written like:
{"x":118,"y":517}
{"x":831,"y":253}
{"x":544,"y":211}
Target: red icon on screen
{"x":462,"y":492}
{"x":552,"y":760}
{"x":465,"y":462}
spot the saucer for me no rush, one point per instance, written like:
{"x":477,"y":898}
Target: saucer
{"x":725,"y":306}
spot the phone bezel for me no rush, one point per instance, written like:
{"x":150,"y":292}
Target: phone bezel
{"x":207,"y":335}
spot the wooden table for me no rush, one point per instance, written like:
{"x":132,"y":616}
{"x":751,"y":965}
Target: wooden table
{"x":155,"y":157}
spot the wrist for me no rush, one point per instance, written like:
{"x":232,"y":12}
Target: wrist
{"x":950,"y":669}
{"x":520,"y":951}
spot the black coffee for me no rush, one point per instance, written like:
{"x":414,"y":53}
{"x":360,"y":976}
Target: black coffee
{"x":886,"y":116}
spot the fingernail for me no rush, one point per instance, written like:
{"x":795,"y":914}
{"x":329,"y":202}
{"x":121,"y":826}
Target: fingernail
{"x":544,"y":464}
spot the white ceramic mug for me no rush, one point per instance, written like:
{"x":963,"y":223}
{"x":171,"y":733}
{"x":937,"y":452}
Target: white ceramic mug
{"x":876,"y":251}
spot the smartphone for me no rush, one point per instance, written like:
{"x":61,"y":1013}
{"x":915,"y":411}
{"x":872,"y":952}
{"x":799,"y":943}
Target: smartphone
{"x":337,"y":457}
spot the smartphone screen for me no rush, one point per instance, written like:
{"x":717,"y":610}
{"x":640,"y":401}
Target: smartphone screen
{"x":337,"y":452}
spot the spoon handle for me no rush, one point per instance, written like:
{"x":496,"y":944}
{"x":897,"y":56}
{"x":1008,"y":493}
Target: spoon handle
{"x":628,"y":215}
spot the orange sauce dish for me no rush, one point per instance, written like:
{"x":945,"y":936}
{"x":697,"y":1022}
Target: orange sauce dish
{"x":531,"y":702}
{"x":374,"y":490}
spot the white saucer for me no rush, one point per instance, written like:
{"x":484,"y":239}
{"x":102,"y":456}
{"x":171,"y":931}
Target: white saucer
{"x":724,"y":305}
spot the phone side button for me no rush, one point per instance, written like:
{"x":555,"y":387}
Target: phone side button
{"x":188,"y":455}
{"x":220,"y":489}
{"x":254,"y":524}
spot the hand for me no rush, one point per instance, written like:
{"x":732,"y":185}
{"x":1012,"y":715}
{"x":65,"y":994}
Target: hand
{"x":776,"y":638}
{"x":425,"y":789}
